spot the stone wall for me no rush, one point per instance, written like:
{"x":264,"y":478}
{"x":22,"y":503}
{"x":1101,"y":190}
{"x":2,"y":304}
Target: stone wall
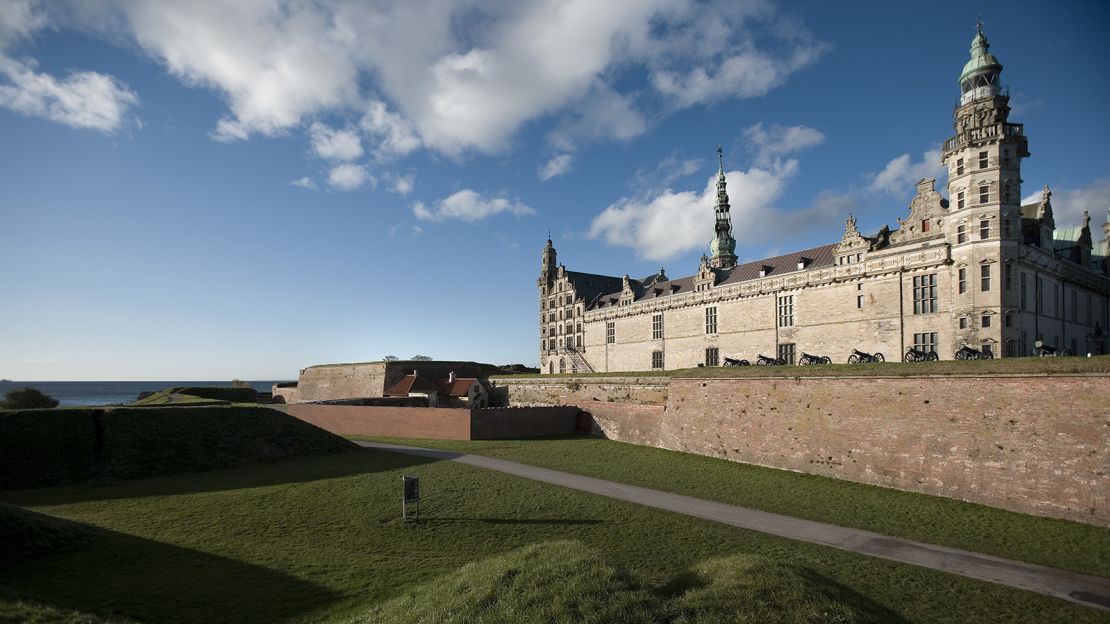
{"x":576,"y":390}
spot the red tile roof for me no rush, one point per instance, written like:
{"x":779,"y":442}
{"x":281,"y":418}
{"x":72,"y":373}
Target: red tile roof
{"x":412,"y":383}
{"x":457,"y":388}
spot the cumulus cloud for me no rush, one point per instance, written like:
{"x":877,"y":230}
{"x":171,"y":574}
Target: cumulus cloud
{"x":83,"y":99}
{"x":403,"y":184}
{"x":776,"y":141}
{"x":305,"y":182}
{"x":394,"y":134}
{"x":555,"y":167}
{"x":901,"y":173}
{"x":349,"y":176}
{"x":332,"y":144}
{"x":468,"y":205}
{"x":601,"y":114}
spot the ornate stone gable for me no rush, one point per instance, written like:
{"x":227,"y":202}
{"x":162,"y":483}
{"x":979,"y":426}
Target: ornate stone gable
{"x":927,"y":212}
{"x":852,"y":241}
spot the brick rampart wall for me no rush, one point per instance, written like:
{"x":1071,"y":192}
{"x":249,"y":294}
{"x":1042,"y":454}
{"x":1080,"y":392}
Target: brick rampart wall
{"x":574,"y":390}
{"x":502,"y":423}
{"x":438,"y":423}
{"x":392,"y":422}
{"x":1031,"y":444}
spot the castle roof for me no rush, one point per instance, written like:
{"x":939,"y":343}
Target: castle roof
{"x":816,"y":257}
{"x":412,"y":383}
{"x":457,"y":388}
{"x":589,"y":286}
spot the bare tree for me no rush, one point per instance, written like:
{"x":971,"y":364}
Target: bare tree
{"x":390,"y":358}
{"x":421,"y":358}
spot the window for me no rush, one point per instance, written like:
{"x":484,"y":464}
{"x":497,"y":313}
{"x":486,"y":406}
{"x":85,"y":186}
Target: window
{"x":657,"y":359}
{"x":578,"y":341}
{"x":984,"y":229}
{"x":859,"y":301}
{"x":1074,"y":305}
{"x":1009,"y":320}
{"x":1024,"y":304}
{"x":987,"y":349}
{"x":786,"y":352}
{"x":961,"y":234}
{"x":984,"y":193}
{"x":960,"y":168}
{"x":963,"y":280}
{"x":1005,"y":158}
{"x":562,"y":366}
{"x":657,"y":326}
{"x":960,"y":200}
{"x":1008,"y":275}
{"x":610,"y":332}
{"x":925,"y":294}
{"x":985,"y":322}
{"x":1056,"y":300}
{"x":963,"y":322}
{"x":786,"y":311}
{"x":925,"y":225}
{"x":578,"y":327}
{"x":543,"y":345}
{"x":925,"y":341}
{"x":985,"y":277}
{"x":983,"y":160}
{"x":711,"y":357}
{"x":711,"y":320}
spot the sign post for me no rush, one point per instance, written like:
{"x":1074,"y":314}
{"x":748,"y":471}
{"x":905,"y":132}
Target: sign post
{"x":411,"y":495}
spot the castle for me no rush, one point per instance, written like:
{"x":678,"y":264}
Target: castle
{"x":976,"y":268}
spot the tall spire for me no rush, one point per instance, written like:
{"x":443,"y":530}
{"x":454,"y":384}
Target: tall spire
{"x":723,"y":246}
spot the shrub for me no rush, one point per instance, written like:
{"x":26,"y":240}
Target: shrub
{"x":27,"y":398}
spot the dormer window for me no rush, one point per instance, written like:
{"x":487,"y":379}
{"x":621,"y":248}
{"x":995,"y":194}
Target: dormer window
{"x":803,"y":262}
{"x":765,"y":270}
{"x":925,"y":225}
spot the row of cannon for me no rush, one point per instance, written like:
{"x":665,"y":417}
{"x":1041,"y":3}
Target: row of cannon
{"x":862,"y":357}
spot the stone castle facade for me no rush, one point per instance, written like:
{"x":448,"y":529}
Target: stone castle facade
{"x":977,"y":268}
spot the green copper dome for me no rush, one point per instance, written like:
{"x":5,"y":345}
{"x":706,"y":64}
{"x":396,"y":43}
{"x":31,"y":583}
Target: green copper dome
{"x":715,"y":247}
{"x":981,"y":58}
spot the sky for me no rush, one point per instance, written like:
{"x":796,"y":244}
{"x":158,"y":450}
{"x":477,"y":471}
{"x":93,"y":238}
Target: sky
{"x":209,"y":190}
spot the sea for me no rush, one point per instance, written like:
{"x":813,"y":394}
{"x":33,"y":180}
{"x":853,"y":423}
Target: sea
{"x":83,"y":393}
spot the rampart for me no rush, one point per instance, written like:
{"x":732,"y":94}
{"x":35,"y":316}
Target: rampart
{"x":365,"y":379}
{"x":1028,"y":443}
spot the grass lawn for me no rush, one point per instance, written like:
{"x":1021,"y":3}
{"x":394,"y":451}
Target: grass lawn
{"x":933,"y":519}
{"x":893,"y":367}
{"x":321,"y":539}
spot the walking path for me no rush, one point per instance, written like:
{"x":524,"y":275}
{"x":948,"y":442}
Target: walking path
{"x":1090,"y":591}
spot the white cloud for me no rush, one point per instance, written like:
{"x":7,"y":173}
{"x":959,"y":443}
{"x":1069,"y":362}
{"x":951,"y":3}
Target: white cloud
{"x":403,"y":184}
{"x":470,"y":206}
{"x":305,"y":182}
{"x":82,"y":100}
{"x":333,"y":144}
{"x":557,"y":166}
{"x":667,"y":171}
{"x":776,"y":141}
{"x":348,"y":177}
{"x":1068,"y":205}
{"x":452,"y":75}
{"x":395,"y":135}
{"x":901,"y":173}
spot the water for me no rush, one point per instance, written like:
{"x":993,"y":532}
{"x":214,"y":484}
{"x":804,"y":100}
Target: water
{"x":110,"y":392}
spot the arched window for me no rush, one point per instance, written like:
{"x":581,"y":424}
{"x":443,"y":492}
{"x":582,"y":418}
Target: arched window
{"x":550,"y":367}
{"x":562,"y":365}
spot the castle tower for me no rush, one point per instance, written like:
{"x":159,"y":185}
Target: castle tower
{"x":722,"y":249}
{"x":984,"y":156}
{"x":545,"y":284}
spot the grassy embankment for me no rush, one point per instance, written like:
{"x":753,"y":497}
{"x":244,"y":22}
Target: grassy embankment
{"x":194,"y":396}
{"x":933,"y":519}
{"x":1007,"y":366}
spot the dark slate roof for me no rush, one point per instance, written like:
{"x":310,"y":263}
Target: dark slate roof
{"x":779,"y":265}
{"x":588,"y":286}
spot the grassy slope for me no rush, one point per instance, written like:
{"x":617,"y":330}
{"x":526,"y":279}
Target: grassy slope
{"x":933,"y":519}
{"x":1008,"y":366}
{"x":48,"y":447}
{"x":517,"y":587}
{"x":321,"y":538}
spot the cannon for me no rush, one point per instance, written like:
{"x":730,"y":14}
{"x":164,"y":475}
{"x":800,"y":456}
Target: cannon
{"x":860,"y":357}
{"x":735,"y":362}
{"x":917,"y":355}
{"x":808,"y":359}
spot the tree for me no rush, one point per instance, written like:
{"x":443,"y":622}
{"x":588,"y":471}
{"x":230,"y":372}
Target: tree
{"x":27,"y":398}
{"x":239,"y":383}
{"x":421,"y":358}
{"x":390,"y":358}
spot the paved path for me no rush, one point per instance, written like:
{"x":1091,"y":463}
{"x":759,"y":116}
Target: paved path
{"x":1090,"y":591}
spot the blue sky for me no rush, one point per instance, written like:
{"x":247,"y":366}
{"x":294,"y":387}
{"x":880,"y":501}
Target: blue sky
{"x":214,"y":190}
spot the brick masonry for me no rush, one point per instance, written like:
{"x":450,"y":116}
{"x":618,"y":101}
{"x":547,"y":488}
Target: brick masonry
{"x":438,"y":423}
{"x":366,"y":379}
{"x":1032,"y":444}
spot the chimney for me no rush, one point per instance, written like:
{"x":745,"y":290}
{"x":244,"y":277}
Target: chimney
{"x":451,"y":377}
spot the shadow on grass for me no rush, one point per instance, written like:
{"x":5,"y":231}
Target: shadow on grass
{"x":350,"y":463}
{"x":123,"y":575}
{"x":518,"y":521}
